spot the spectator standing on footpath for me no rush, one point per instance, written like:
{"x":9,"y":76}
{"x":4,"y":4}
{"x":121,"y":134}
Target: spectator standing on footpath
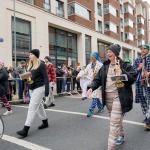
{"x":13,"y":75}
{"x":52,"y":80}
{"x":64,"y":80}
{"x":21,"y":83}
{"x":4,"y":88}
{"x":75,"y":81}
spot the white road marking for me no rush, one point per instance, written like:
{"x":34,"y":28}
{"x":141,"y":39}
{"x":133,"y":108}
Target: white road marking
{"x":84,"y":114}
{"x":23,"y":143}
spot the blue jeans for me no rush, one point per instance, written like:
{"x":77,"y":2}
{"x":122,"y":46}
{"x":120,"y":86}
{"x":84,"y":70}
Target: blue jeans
{"x":68,"y":86}
{"x":63,"y":85}
{"x":96,"y":102}
{"x":20,"y":88}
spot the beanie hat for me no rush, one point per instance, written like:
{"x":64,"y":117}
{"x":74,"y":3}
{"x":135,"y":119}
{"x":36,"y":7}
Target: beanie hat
{"x":2,"y":63}
{"x":146,"y":46}
{"x":48,"y":58}
{"x":36,"y":52}
{"x":128,"y":60}
{"x":115,"y":49}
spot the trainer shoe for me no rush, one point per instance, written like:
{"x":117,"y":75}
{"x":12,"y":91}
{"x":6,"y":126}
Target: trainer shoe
{"x":147,"y":126}
{"x":7,"y":113}
{"x":51,"y":105}
{"x":120,"y":140}
{"x":90,"y":113}
{"x":100,"y":110}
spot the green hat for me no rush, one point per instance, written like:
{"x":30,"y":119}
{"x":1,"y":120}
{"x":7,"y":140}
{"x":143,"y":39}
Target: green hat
{"x":83,"y":66}
{"x":128,"y":60}
{"x":146,"y":46}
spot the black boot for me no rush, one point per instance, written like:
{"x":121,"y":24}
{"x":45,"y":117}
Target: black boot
{"x":24,"y":132}
{"x":44,"y":125}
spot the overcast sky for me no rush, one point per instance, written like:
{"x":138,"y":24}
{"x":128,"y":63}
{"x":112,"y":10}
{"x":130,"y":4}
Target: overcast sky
{"x":147,"y":1}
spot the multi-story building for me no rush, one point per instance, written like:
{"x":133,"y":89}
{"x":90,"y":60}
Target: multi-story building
{"x":69,"y":30}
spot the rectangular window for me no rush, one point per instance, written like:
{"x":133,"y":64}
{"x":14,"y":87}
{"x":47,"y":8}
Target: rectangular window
{"x":59,"y":8}
{"x":75,"y":8}
{"x":110,"y":9}
{"x":141,"y":42}
{"x":140,"y":31}
{"x":62,"y":47}
{"x":23,"y":37}
{"x":126,"y":36}
{"x":121,"y":9}
{"x":30,"y":1}
{"x":87,"y":48}
{"x":128,"y":9}
{"x":140,"y":20}
{"x":109,"y":26}
{"x":99,"y":9}
{"x":47,"y":5}
{"x":99,"y":26}
{"x":116,"y":13}
{"x":121,"y":22}
{"x":122,"y":37}
{"x":129,"y":36}
{"x":129,"y":22}
{"x":106,"y":26}
{"x":125,"y":53}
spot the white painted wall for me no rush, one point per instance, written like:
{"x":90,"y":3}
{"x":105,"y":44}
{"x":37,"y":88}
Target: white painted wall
{"x":40,"y":21}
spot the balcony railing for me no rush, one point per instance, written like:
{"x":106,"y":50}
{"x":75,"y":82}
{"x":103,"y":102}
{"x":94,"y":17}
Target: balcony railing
{"x":59,"y":12}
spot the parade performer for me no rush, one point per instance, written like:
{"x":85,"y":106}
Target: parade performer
{"x":3,"y":88}
{"x":39,"y":87}
{"x":52,"y":80}
{"x":90,"y":71}
{"x":117,"y":96}
{"x":83,"y":84}
{"x":142,"y":84}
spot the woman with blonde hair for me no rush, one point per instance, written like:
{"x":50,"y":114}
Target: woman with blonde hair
{"x":39,"y":88}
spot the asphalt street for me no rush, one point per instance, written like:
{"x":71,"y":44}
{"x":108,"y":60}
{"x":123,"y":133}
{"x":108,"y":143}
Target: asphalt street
{"x":70,"y":129}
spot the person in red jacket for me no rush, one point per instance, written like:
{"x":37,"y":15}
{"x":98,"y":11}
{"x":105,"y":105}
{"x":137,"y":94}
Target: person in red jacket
{"x":52,"y":80}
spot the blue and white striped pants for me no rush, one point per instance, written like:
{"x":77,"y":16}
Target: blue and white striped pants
{"x":96,"y":102}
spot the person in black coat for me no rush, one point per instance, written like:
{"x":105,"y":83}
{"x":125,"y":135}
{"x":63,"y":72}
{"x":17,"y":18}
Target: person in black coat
{"x":116,"y":95}
{"x":59,"y":74}
{"x":38,"y":85}
{"x":3,"y":88}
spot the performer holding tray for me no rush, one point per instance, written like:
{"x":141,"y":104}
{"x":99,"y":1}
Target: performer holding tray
{"x":38,"y":85}
{"x":116,"y":93}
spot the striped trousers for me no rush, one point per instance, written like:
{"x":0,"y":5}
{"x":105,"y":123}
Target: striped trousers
{"x":116,"y":118}
{"x":5,"y":102}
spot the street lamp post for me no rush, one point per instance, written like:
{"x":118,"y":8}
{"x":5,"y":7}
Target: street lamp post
{"x":14,"y":2}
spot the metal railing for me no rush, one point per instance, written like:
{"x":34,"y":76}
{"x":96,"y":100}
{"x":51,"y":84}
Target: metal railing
{"x":70,"y":90}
